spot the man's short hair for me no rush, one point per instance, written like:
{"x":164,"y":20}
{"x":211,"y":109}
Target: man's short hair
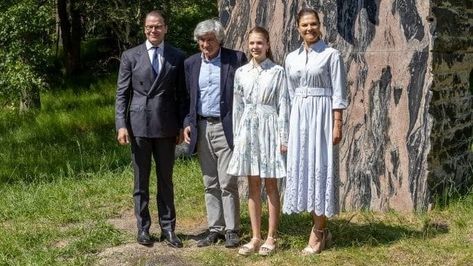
{"x":210,"y":26}
{"x":155,"y":13}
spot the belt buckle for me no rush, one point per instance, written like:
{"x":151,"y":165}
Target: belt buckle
{"x":305,"y":93}
{"x":212,"y":120}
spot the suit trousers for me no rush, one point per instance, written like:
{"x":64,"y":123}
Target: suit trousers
{"x":162,"y":150}
{"x":221,"y":190}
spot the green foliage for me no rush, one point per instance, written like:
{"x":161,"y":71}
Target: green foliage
{"x":184,"y":17}
{"x":25,"y":46}
{"x":16,"y":78}
{"x":28,"y":38}
{"x":122,"y":21}
{"x":119,"y":21}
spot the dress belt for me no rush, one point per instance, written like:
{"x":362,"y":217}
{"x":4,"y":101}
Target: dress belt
{"x":313,"y":91}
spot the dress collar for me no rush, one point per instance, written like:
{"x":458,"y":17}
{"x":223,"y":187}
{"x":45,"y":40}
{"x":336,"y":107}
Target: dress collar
{"x":266,"y":64}
{"x":318,"y":46}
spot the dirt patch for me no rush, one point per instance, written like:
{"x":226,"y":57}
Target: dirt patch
{"x":159,"y":253}
{"x":61,"y":244}
{"x":136,"y":254}
{"x":126,"y":222}
{"x":190,"y":227}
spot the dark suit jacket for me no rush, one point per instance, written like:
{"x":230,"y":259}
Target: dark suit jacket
{"x":231,"y":60}
{"x":150,"y":107}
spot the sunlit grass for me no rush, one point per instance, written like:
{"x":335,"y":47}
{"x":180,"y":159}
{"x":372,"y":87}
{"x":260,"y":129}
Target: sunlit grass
{"x":46,"y":222}
{"x":440,"y":237}
{"x":73,"y":135}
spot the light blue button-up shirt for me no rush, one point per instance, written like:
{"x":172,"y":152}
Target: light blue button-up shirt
{"x":209,"y":87}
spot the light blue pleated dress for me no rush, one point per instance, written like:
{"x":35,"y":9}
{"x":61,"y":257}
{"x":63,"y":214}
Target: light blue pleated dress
{"x":316,"y":83}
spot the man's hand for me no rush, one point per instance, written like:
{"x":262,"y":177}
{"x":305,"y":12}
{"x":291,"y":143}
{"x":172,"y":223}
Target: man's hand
{"x":337,"y":131}
{"x":123,"y":137}
{"x":187,"y":135}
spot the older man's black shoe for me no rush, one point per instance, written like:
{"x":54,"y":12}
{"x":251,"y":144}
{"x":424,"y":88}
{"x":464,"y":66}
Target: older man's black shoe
{"x":232,"y":240}
{"x":171,"y":238}
{"x":144,"y":238}
{"x":210,"y":239}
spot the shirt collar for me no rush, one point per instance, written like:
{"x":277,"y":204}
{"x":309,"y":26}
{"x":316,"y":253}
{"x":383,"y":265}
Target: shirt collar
{"x":213,"y":59}
{"x":151,"y":46}
{"x":318,"y":46}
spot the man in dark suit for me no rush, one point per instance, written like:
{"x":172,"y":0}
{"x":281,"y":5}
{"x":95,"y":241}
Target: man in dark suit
{"x":209,"y":80}
{"x":151,"y":104}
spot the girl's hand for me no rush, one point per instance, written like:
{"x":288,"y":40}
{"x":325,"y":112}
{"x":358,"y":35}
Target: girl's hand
{"x":283,"y":149}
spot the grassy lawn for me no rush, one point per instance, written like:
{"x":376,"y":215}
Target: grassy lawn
{"x":62,"y":177}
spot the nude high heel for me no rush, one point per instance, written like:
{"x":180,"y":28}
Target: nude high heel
{"x":324,"y":238}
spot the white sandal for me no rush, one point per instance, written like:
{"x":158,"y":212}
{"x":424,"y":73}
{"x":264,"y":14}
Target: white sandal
{"x":268,"y":249}
{"x":249,"y":248}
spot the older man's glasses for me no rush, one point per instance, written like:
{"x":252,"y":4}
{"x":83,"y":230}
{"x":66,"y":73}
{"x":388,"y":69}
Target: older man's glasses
{"x":154,"y":27}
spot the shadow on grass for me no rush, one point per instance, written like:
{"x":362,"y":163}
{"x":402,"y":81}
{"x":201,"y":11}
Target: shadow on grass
{"x":295,"y":229}
{"x":197,"y":236}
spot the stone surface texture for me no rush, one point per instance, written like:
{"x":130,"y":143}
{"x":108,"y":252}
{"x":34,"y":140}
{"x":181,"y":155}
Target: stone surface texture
{"x":408,"y":128}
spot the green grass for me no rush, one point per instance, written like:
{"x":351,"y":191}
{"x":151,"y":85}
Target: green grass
{"x":73,"y":135}
{"x":367,"y":238}
{"x":63,"y":176}
{"x":53,"y":222}
{"x":65,"y":221}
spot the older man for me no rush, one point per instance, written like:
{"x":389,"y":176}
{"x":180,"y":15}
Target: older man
{"x":209,"y":80}
{"x":151,"y":104}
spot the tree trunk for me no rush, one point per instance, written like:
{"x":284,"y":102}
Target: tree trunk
{"x":30,"y":100}
{"x":70,"y":24}
{"x":389,"y":158}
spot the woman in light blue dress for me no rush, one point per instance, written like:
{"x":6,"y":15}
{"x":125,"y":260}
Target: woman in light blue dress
{"x":260,"y":127}
{"x":316,"y":82}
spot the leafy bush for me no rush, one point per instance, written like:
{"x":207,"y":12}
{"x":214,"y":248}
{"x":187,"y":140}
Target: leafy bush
{"x":25,"y":48}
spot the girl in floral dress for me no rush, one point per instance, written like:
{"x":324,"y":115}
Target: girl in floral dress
{"x":260,"y":127}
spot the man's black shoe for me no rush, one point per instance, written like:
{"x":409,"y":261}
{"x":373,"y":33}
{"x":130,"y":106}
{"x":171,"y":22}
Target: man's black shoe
{"x":171,"y":238}
{"x":210,"y":239}
{"x":232,"y":240}
{"x":144,"y":238}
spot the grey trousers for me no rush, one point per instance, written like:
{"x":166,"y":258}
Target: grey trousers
{"x":221,"y":190}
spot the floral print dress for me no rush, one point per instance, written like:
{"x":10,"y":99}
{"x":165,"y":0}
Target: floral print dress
{"x":260,"y":120}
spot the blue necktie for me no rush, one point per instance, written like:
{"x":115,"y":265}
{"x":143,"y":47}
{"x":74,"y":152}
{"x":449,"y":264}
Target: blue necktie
{"x":155,"y":62}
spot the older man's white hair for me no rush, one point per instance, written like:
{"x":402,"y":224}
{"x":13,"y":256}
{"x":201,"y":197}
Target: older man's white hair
{"x":210,"y":26}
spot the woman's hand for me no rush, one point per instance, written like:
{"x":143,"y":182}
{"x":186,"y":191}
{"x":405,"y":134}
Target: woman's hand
{"x":337,"y":131}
